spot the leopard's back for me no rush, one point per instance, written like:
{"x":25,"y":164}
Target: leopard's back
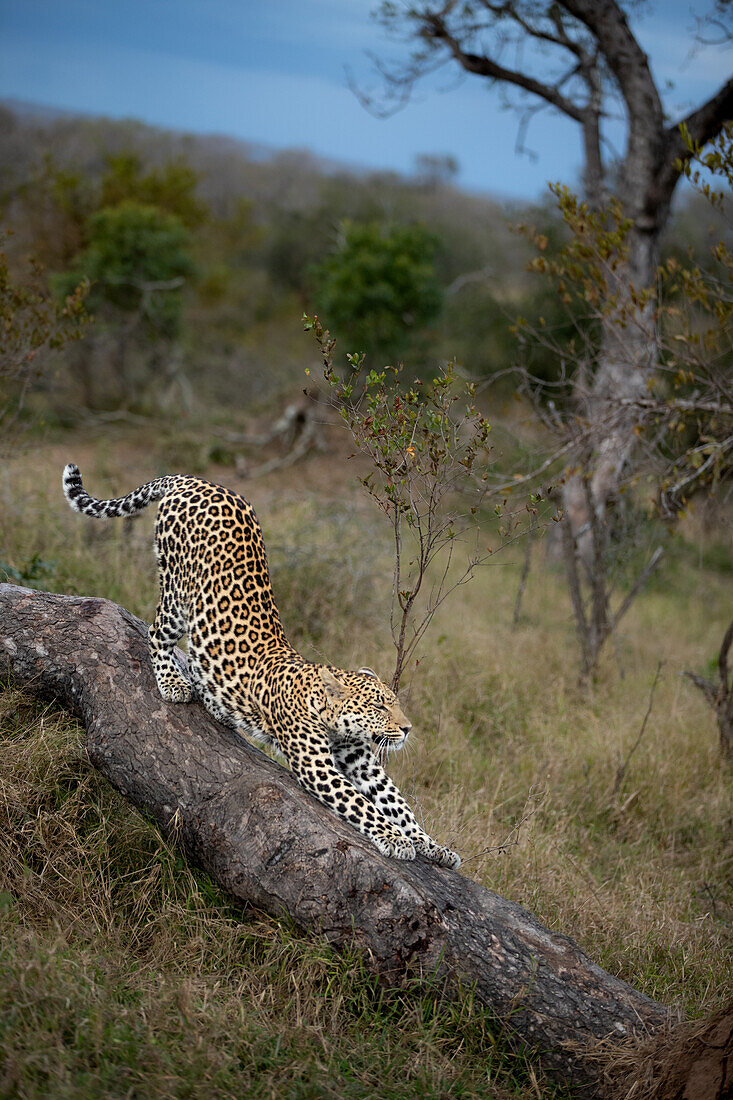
{"x":213,"y":571}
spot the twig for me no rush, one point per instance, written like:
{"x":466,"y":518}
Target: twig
{"x":723,"y":659}
{"x":525,"y":570}
{"x":708,"y":890}
{"x":310,"y":439}
{"x":621,"y":770}
{"x":707,"y":687}
{"x":638,"y":585}
{"x":719,"y":696}
{"x":570,"y":554}
{"x":507,"y":842}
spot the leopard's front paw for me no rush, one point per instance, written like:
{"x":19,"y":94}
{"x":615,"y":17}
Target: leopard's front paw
{"x":178,"y":691}
{"x":446,"y":857}
{"x":395,"y":844}
{"x":436,"y":853}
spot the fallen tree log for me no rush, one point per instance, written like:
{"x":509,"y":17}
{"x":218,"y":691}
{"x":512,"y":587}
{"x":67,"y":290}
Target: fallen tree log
{"x":243,"y":819}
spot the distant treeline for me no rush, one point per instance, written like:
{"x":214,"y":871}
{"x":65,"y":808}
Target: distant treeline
{"x":203,"y":252}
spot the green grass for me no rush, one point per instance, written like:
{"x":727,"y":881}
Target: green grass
{"x":123,"y":972}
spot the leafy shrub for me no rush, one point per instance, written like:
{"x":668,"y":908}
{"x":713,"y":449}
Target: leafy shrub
{"x":379,"y":287}
{"x":137,"y":258}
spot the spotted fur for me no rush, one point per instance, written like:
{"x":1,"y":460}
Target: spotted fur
{"x":328,"y":723}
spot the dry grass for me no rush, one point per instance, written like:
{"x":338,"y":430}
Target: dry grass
{"x":506,"y":747}
{"x":643,"y":878}
{"x":123,"y":973}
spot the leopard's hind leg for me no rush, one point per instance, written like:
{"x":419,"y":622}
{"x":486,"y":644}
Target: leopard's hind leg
{"x":168,"y":626}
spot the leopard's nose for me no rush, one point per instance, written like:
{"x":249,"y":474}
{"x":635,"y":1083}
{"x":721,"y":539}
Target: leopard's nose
{"x":406,"y":729}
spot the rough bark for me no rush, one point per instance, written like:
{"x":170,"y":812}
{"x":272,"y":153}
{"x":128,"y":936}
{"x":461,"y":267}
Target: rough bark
{"x":648,"y":176}
{"x":243,"y":819}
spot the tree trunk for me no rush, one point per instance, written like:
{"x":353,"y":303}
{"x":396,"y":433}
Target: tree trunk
{"x":244,"y":820}
{"x":626,"y":362}
{"x":628,"y":351}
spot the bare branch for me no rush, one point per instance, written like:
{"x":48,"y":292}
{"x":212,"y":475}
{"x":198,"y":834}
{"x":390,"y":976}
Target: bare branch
{"x":638,"y":585}
{"x":621,"y":770}
{"x":707,"y":687}
{"x":624,"y":56}
{"x":512,"y":837}
{"x":561,"y":38}
{"x":719,"y":696}
{"x":703,"y":124}
{"x":525,"y":570}
{"x":482,"y":65}
{"x":723,"y":658}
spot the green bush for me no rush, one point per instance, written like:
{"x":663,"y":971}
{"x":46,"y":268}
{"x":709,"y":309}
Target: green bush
{"x":379,"y":287}
{"x":136,"y":258}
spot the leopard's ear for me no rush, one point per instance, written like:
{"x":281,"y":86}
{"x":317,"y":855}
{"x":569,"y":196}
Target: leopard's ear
{"x":336,"y":692}
{"x":369,"y":672}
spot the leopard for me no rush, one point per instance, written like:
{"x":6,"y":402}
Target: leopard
{"x":333,"y":727}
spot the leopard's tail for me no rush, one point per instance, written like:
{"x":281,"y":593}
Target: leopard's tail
{"x":130,"y":505}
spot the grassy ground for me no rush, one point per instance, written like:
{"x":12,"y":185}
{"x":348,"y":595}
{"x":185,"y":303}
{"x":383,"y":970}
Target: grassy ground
{"x":122,"y":973}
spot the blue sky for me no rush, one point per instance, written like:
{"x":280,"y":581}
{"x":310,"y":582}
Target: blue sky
{"x":273,"y":71}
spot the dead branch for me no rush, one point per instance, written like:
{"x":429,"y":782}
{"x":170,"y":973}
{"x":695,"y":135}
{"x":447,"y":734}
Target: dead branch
{"x":299,"y":430}
{"x":637,"y":586}
{"x":525,"y":570}
{"x":719,"y":695}
{"x":621,"y":770}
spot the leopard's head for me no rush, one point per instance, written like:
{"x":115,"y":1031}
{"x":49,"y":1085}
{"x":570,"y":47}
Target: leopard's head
{"x":360,"y":706}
